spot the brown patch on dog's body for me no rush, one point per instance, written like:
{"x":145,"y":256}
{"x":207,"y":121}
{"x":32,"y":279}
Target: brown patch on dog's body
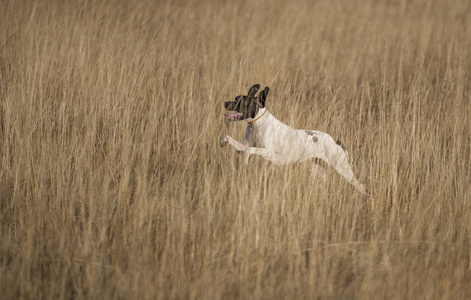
{"x":321,"y":163}
{"x":310,"y":133}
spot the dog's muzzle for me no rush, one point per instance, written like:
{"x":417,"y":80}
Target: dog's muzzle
{"x":235,"y":116}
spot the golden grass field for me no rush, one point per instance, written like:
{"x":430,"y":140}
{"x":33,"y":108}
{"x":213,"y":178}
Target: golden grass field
{"x":113,"y":186}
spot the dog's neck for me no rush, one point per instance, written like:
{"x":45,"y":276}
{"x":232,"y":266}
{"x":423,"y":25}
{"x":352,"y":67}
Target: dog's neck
{"x":261,"y":112}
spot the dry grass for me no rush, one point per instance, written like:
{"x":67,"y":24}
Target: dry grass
{"x":112,"y":184}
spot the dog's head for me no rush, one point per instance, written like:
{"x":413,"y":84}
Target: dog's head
{"x":246,"y":107}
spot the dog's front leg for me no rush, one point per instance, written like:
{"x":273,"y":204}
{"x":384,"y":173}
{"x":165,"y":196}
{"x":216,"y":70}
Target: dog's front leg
{"x":246,"y":150}
{"x":265,"y":153}
{"x":235,"y":144}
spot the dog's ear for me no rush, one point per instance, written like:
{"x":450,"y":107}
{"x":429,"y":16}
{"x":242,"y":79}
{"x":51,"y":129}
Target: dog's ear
{"x":263,"y":96}
{"x":253,"y":90}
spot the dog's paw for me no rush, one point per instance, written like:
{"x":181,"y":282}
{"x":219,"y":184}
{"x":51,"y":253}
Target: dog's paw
{"x":223,"y":142}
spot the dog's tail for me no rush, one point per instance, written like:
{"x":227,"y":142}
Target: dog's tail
{"x":338,"y":142}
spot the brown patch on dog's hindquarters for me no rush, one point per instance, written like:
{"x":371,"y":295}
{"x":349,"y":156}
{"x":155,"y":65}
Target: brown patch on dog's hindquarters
{"x":338,"y":142}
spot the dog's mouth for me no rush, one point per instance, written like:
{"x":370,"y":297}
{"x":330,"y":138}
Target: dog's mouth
{"x":235,"y":116}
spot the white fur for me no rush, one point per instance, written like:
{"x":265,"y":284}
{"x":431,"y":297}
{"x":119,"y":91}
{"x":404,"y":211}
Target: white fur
{"x":281,"y":144}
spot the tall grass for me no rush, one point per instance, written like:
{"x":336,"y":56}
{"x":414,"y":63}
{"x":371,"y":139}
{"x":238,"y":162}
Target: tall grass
{"x":112,"y":184}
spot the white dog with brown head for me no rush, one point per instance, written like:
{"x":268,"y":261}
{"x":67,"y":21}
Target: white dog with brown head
{"x":281,"y":144}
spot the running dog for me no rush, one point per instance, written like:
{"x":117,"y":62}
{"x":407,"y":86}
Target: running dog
{"x":281,"y":144}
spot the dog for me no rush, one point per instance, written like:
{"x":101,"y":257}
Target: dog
{"x":280,"y":144}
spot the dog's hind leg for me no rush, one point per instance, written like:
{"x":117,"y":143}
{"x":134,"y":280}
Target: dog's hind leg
{"x":337,"y":157}
{"x":318,"y":174}
{"x":343,"y":168}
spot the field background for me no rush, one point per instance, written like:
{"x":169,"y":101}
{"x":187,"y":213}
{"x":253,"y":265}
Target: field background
{"x":112,"y":183}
